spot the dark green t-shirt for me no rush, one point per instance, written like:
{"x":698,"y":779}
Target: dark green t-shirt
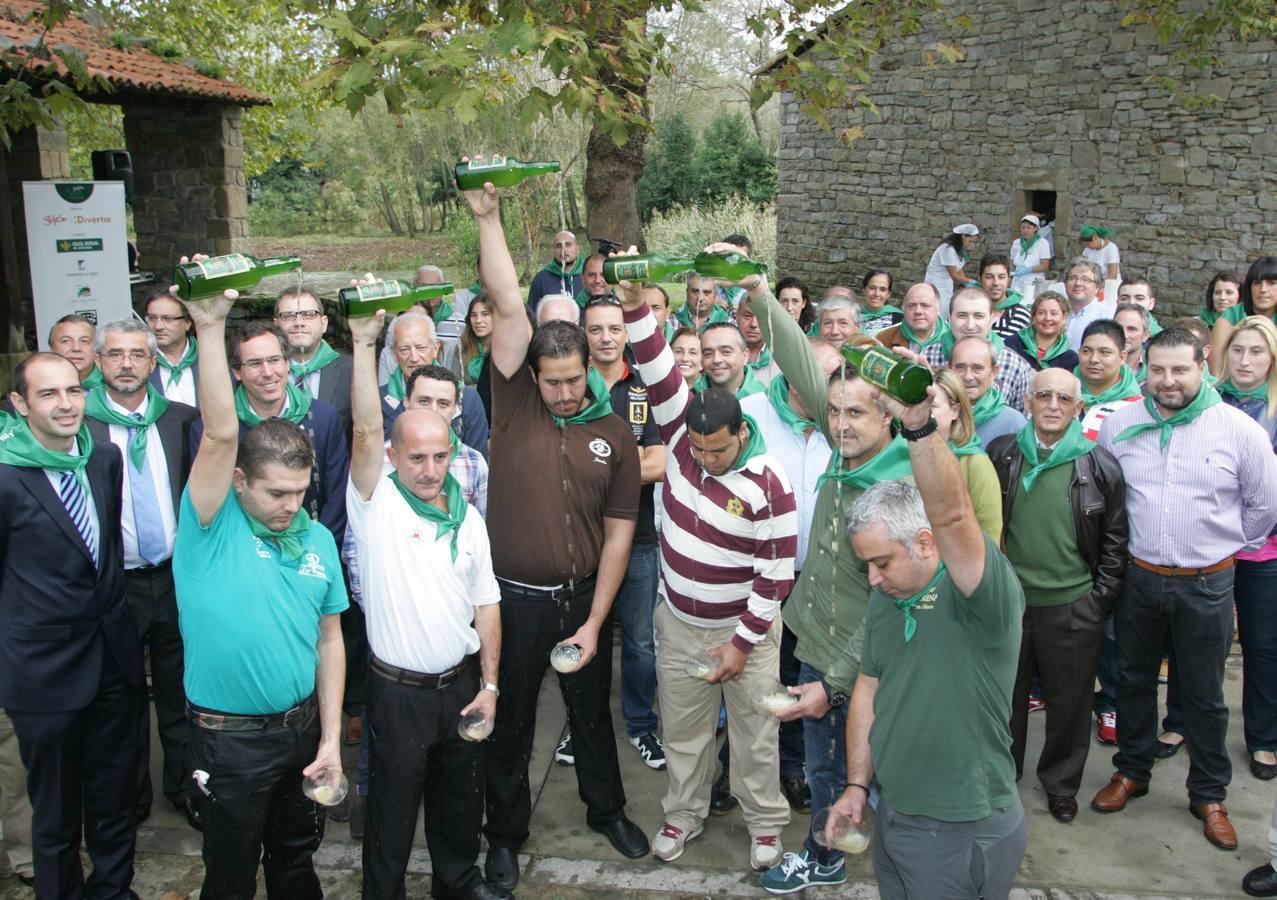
{"x":941,"y":737}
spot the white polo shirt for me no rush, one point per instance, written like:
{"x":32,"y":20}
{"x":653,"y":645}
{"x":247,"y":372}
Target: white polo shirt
{"x":418,"y":603}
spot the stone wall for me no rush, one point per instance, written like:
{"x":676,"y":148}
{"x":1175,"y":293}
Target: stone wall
{"x":1047,"y":96}
{"x":188,"y":174}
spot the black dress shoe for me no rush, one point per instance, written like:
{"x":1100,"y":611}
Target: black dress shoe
{"x":1164,"y":750}
{"x":1263,"y":771}
{"x":1261,"y":882}
{"x":796,"y":792}
{"x":1063,"y":809}
{"x":721,"y":801}
{"x":477,"y":889}
{"x":626,"y":837}
{"x":501,"y":868}
{"x":192,"y":813}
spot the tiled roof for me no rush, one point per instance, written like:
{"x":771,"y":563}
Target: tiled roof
{"x":127,"y":70}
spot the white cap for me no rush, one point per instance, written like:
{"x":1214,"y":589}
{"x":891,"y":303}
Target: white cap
{"x":1032,"y":220}
{"x":966,"y":229}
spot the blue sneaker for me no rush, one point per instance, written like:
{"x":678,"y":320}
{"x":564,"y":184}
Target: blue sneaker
{"x":798,"y":871}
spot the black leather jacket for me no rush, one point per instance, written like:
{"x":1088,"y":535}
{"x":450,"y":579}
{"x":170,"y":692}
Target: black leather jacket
{"x":1097,"y":494}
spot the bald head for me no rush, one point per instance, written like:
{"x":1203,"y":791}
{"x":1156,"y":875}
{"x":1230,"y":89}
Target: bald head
{"x":558,"y":308}
{"x":414,"y":425}
{"x":420,"y":450}
{"x":921,"y":307}
{"x":566,"y":249}
{"x":1053,"y":402}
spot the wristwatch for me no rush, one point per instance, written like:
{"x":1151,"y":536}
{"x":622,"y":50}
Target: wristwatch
{"x":833,"y":696}
{"x":489,"y":686}
{"x":921,"y":432}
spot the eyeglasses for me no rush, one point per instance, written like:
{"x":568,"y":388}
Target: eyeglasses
{"x":1087,"y":279}
{"x":307,"y":315}
{"x":267,"y":362}
{"x":136,"y":356}
{"x":164,"y":320}
{"x":1045,"y":397}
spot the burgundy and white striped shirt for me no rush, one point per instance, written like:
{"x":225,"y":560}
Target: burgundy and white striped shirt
{"x":727,"y":541}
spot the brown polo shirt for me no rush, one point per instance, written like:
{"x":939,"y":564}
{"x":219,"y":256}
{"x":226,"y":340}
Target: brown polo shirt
{"x":549,"y":488}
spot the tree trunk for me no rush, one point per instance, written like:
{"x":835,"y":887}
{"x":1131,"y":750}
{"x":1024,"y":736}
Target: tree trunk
{"x":410,"y":218}
{"x":388,"y":211}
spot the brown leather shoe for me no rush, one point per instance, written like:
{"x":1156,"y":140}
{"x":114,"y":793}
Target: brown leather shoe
{"x":1063,"y":809}
{"x":1120,"y":789}
{"x":1215,"y":825}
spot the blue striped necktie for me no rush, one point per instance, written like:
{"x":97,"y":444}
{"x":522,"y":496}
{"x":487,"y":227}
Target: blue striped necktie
{"x":77,"y":504}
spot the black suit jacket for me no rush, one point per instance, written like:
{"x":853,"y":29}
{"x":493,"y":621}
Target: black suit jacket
{"x":174,"y":430}
{"x":58,"y":613}
{"x":334,"y":389}
{"x":157,"y":378}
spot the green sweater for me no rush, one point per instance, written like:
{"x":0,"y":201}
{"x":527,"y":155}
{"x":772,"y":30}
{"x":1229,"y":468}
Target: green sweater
{"x":1042,"y":542}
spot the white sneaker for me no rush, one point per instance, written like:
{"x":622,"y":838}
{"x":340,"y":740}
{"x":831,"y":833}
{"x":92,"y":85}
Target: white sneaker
{"x":671,"y":840}
{"x":764,"y":851}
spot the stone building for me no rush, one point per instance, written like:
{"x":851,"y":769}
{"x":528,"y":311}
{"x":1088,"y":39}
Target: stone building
{"x":182,"y":130}
{"x":1050,"y":106}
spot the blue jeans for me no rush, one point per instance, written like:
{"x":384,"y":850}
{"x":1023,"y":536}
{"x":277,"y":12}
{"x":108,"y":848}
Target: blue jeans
{"x":634,"y":606}
{"x":1106,"y":696}
{"x":825,"y":748}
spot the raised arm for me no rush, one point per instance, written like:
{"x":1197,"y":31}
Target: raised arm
{"x":945,"y":499}
{"x":667,"y":392}
{"x":214,"y":464}
{"x":792,"y":352}
{"x":510,"y":329}
{"x":367,"y":442}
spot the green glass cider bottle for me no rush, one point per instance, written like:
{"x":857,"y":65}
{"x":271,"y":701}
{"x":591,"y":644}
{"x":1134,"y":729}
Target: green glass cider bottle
{"x":727,"y":266}
{"x":393,"y":295}
{"x":237,"y":271}
{"x":645,"y":267}
{"x":902,"y":378}
{"x":502,"y":171}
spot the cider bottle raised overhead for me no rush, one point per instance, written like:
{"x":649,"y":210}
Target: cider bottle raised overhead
{"x":727,"y":266}
{"x":502,"y":171}
{"x":902,"y":378}
{"x":645,"y":267}
{"x":358,"y":301}
{"x":236,"y":271}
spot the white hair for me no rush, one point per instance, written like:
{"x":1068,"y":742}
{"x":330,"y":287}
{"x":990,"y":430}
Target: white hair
{"x":839,"y":301}
{"x":414,"y":316}
{"x":897,"y":505}
{"x":125,"y":326}
{"x":564,"y":304}
{"x":431,"y":270}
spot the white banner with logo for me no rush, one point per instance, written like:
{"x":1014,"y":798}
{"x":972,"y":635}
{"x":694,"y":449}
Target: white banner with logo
{"x":77,"y":243}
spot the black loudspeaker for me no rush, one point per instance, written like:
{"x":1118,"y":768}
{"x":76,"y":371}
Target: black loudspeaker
{"x":114,"y":165}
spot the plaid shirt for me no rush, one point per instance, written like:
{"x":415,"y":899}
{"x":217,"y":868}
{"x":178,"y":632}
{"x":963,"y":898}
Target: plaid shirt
{"x":471,"y":471}
{"x":1015,"y":376}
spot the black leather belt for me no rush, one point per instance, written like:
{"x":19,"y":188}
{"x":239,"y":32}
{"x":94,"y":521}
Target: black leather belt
{"x":212,"y":720}
{"x":158,"y":567}
{"x":562,"y":592}
{"x":419,"y":679}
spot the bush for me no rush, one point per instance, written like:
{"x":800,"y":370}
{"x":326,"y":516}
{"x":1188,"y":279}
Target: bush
{"x":685,"y":230}
{"x":462,"y":234}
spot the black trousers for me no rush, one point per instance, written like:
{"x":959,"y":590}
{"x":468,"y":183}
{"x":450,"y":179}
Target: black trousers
{"x":416,"y":756}
{"x":529,"y":630}
{"x":153,"y":602}
{"x":354,"y":635}
{"x":82,"y":775}
{"x":255,"y":809}
{"x":1061,"y":644}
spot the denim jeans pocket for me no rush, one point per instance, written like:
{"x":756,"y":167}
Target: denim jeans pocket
{"x":1217,"y":586}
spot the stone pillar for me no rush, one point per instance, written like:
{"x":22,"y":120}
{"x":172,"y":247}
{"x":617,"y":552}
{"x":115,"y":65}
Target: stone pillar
{"x":37,"y":154}
{"x":188,"y":177}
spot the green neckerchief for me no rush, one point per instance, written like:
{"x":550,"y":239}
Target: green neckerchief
{"x":477,"y":288}
{"x":291,"y":540}
{"x":1025,"y":245}
{"x":395,"y":386}
{"x":1205,"y":399}
{"x":970,"y":448}
{"x":764,"y":359}
{"x":446,"y":521}
{"x":813,"y":330}
{"x":19,"y":447}
{"x":749,"y":386}
{"x":1086,"y":232}
{"x":716,"y":315}
{"x":1209,"y":316}
{"x":93,"y":380}
{"x":906,"y":606}
{"x":296,"y":405}
{"x":868,"y":314}
{"x":988,"y":406}
{"x":1028,"y":337}
{"x":597,"y":408}
{"x":937,"y":333}
{"x":443,"y":310}
{"x":1259,"y":391}
{"x":891,"y":463}
{"x":1013,"y":298}
{"x":1072,"y":445}
{"x":189,"y":356}
{"x":474,"y":368}
{"x":323,"y":355}
{"x":1126,"y":386}
{"x":1141,"y":374}
{"x":948,"y":339}
{"x":778,"y":393}
{"x":1154,"y":327}
{"x":554,"y":268}
{"x":754,"y":447}
{"x":95,"y":405}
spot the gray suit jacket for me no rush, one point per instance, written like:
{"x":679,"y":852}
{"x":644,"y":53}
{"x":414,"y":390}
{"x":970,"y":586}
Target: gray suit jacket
{"x":334,"y":389}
